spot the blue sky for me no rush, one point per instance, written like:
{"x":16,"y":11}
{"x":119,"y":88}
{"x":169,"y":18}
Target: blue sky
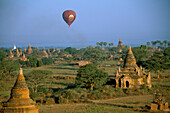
{"x":40,"y":21}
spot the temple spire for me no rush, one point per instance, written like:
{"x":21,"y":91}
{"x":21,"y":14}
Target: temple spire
{"x":19,"y":101}
{"x":130,"y":60}
{"x":130,"y":50}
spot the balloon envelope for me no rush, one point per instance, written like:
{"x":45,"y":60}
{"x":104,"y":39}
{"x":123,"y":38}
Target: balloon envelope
{"x":69,"y":16}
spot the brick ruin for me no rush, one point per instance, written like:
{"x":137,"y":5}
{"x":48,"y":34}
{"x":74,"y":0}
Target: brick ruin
{"x":159,"y":103}
{"x":29,"y":50}
{"x":44,"y":51}
{"x":19,"y":102}
{"x":120,"y":43}
{"x":10,"y":54}
{"x":23,"y":58}
{"x":131,"y":75}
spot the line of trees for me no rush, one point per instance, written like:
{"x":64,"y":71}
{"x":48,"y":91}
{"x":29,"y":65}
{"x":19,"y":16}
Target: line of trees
{"x":161,"y":44}
{"x":104,"y":44}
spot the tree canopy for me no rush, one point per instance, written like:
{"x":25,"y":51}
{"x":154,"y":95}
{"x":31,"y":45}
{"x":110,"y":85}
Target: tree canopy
{"x":89,"y":76}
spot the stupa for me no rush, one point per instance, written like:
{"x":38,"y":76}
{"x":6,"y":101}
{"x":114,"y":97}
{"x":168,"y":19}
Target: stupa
{"x":20,"y":101}
{"x":20,"y":51}
{"x":53,"y":50}
{"x":24,"y":58}
{"x":120,"y":43}
{"x":17,"y":53}
{"x":10,"y":54}
{"x":59,"y":51}
{"x":45,"y":53}
{"x":29,"y":49}
{"x":37,"y":49}
{"x":25,"y":51}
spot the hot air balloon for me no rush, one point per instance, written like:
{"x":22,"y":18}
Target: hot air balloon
{"x":69,"y":16}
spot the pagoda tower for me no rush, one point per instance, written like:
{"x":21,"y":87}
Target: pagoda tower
{"x":120,"y":43}
{"x":29,"y":49}
{"x":131,"y":75}
{"x":59,"y":51}
{"x":37,"y":49}
{"x":53,"y":50}
{"x":20,"y":102}
{"x":49,"y":53}
{"x":24,"y":58}
{"x":130,"y":62}
{"x":18,"y":54}
{"x":25,"y":51}
{"x":10,"y":54}
{"x":20,"y":51}
{"x":45,"y":53}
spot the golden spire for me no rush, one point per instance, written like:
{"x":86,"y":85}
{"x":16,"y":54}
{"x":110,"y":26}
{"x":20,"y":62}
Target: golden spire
{"x":21,"y":51}
{"x":23,"y":56}
{"x":43,"y":48}
{"x":37,"y":48}
{"x":19,"y":101}
{"x":29,"y":46}
{"x":120,"y":39}
{"x":17,"y":51}
{"x":10,"y":52}
{"x":130,"y":50}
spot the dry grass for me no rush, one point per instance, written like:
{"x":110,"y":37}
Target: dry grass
{"x":117,"y":105}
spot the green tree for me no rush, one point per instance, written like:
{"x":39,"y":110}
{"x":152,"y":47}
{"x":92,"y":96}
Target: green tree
{"x":70,"y":50}
{"x":32,"y":62}
{"x":39,"y":63}
{"x":110,"y":44}
{"x":8,"y":68}
{"x":161,"y":44}
{"x":97,"y":43}
{"x":141,"y":54}
{"x":36,"y":77}
{"x":148,"y":43}
{"x":105,"y":44}
{"x":47,"y":61}
{"x":165,"y":42}
{"x":168,"y":44}
{"x":2,"y":55}
{"x":90,"y":77}
{"x":157,"y":63}
{"x":78,"y":55}
{"x":154,"y":43}
{"x":94,"y":54}
{"x":101,"y":44}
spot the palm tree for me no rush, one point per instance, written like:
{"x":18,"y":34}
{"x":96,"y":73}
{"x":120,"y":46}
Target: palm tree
{"x":148,"y":43}
{"x":152,"y":43}
{"x":168,"y":44}
{"x":161,"y":44}
{"x":165,"y":42}
{"x":101,"y":44}
{"x":97,"y":43}
{"x":105,"y":44}
{"x":110,"y":44}
{"x":158,"y":41}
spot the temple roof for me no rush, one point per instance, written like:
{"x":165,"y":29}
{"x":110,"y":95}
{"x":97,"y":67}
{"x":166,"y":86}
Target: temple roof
{"x":130,"y":60}
{"x":20,"y":93}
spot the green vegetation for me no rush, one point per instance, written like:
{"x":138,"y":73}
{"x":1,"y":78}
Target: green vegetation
{"x":35,"y":77}
{"x":90,"y":77}
{"x":8,"y":68}
{"x":58,"y":78}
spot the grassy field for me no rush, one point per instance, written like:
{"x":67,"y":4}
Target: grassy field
{"x":128,"y":104}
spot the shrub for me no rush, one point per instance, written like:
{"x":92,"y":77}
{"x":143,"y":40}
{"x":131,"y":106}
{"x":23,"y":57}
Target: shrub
{"x":47,"y":61}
